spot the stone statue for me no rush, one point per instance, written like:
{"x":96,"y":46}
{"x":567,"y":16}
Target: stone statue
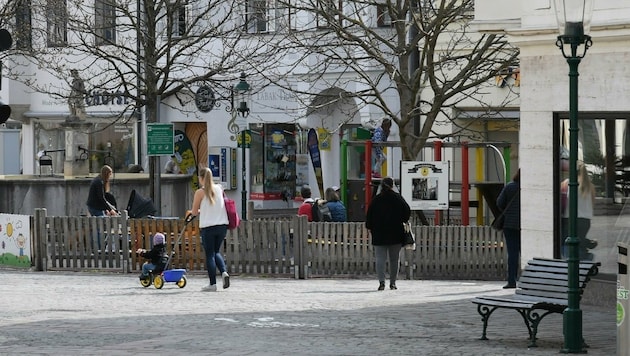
{"x":76,"y":100}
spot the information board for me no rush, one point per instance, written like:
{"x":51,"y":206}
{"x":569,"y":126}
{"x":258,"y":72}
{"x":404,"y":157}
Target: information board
{"x":160,"y":139}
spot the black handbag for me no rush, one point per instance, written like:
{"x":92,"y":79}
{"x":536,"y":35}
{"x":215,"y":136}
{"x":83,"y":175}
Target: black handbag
{"x":408,"y":238}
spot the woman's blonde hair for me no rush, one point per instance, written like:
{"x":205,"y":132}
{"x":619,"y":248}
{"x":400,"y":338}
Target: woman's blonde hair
{"x":207,"y":183}
{"x":585,"y":185}
{"x":105,"y":170}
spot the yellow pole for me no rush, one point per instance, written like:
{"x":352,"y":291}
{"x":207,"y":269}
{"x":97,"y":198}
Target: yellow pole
{"x":479,"y":176}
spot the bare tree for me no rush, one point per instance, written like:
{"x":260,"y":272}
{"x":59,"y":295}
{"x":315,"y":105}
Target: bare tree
{"x":424,"y":50}
{"x":145,"y":51}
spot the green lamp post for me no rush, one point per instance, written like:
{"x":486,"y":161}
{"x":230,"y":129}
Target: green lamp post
{"x":240,"y":95}
{"x":574,"y":17}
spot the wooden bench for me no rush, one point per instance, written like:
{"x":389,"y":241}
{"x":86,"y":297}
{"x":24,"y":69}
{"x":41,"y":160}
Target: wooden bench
{"x":542,"y":289}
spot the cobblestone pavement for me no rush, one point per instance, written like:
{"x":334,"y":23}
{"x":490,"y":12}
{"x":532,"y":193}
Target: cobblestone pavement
{"x":61,"y":313}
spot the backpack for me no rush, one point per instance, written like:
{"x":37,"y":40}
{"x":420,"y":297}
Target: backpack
{"x":320,"y":212}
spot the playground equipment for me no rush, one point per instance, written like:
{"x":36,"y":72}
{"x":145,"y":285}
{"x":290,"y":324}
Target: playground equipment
{"x":486,"y":190}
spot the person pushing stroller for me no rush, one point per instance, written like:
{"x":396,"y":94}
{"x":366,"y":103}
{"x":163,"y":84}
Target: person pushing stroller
{"x":157,"y":256}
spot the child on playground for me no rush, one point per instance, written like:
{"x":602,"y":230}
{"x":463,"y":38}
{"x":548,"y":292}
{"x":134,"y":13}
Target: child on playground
{"x":157,"y":256}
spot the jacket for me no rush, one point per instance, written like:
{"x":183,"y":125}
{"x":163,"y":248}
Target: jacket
{"x":511,"y":210}
{"x":157,"y":255}
{"x":337,"y":211}
{"x":306,"y":209}
{"x":384,"y":218}
{"x":96,"y":196}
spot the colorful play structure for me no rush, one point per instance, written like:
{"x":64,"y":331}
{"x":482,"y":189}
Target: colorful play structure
{"x":486,"y":190}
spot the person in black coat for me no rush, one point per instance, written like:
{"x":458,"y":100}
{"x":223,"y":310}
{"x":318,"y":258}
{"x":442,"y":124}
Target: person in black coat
{"x":509,"y":201}
{"x":385,"y":217}
{"x":97,"y":203}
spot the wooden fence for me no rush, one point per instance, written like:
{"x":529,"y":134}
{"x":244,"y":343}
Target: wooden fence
{"x":284,"y":247}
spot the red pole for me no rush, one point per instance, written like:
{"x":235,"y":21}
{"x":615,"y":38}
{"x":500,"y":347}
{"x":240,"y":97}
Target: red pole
{"x":368,"y":173}
{"x":465,"y":194}
{"x":437,"y":156}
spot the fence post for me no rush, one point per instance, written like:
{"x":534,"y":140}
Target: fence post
{"x":300,"y":228}
{"x":125,"y":236}
{"x":40,"y":240}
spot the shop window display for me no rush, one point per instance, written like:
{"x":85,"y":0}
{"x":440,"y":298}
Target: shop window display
{"x":273,"y":162}
{"x":604,"y":220}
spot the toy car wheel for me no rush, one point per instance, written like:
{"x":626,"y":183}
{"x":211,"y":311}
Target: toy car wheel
{"x":145,"y":282}
{"x":158,"y":282}
{"x":182,"y":282}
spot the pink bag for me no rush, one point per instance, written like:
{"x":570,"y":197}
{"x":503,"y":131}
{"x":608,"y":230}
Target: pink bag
{"x":233,"y":218}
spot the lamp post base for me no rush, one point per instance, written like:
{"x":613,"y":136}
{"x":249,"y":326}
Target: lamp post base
{"x":573,"y":341}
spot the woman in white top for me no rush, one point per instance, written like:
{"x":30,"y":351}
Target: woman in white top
{"x":209,"y":205}
{"x":585,"y":201}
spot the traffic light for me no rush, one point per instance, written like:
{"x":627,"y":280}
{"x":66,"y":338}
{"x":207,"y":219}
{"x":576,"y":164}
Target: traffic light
{"x":5,"y":43}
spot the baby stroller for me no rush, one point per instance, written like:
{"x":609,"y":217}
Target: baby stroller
{"x":139,"y":206}
{"x":159,"y":276}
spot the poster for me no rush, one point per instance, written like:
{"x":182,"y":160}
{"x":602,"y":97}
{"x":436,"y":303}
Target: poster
{"x":325,"y":139}
{"x":15,"y":240}
{"x":186,"y":157}
{"x":313,"y":150}
{"x":424,"y":185}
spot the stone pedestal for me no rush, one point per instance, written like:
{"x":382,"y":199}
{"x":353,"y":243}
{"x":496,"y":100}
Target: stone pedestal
{"x":77,"y":160}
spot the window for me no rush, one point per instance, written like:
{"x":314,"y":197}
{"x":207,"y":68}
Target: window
{"x":328,"y":12}
{"x":23,"y":26}
{"x":177,"y":19}
{"x":57,"y":23}
{"x":105,"y":22}
{"x":603,"y":151}
{"x":286,"y":16}
{"x":256,"y":16}
{"x":384,"y":18}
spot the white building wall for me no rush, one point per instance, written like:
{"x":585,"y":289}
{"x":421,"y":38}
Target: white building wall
{"x":604,"y":82}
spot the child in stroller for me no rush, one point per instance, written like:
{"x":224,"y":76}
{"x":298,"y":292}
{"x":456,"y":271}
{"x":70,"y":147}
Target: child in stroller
{"x":157,"y":257}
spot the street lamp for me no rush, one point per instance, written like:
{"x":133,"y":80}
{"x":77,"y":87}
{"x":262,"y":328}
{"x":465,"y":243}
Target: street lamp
{"x":239,"y":95}
{"x":574,"y":21}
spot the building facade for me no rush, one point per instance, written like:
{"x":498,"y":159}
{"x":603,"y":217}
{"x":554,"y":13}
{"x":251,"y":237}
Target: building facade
{"x":604,"y":145}
{"x":282,"y":109}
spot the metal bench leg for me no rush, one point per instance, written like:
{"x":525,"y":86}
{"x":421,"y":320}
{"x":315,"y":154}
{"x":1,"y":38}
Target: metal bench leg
{"x":524,"y":315}
{"x":485,"y":312}
{"x":534,"y":318}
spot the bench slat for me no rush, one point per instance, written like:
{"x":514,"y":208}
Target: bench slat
{"x":531,"y":282}
{"x":542,"y":294}
{"x":553,"y":262}
{"x":533,"y":288}
{"x":591,"y":267}
{"x":502,"y":303}
{"x":524,"y":302}
{"x":557,"y":270}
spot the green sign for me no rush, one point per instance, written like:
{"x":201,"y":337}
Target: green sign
{"x":159,"y":139}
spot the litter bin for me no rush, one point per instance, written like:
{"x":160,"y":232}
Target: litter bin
{"x":623,"y":304}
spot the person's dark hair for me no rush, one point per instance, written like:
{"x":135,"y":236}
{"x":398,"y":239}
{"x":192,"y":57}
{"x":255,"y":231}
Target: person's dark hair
{"x":305,"y":191}
{"x":387,"y":184}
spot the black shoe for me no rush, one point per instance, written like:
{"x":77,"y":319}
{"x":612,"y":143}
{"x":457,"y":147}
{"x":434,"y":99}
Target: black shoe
{"x":591,"y":244}
{"x":381,"y":286}
{"x":143,"y":278}
{"x":226,"y":280}
{"x":509,"y":286}
{"x":392,"y":286}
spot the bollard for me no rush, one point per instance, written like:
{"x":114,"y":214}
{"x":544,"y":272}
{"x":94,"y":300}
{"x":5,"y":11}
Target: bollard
{"x":623,"y":283}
